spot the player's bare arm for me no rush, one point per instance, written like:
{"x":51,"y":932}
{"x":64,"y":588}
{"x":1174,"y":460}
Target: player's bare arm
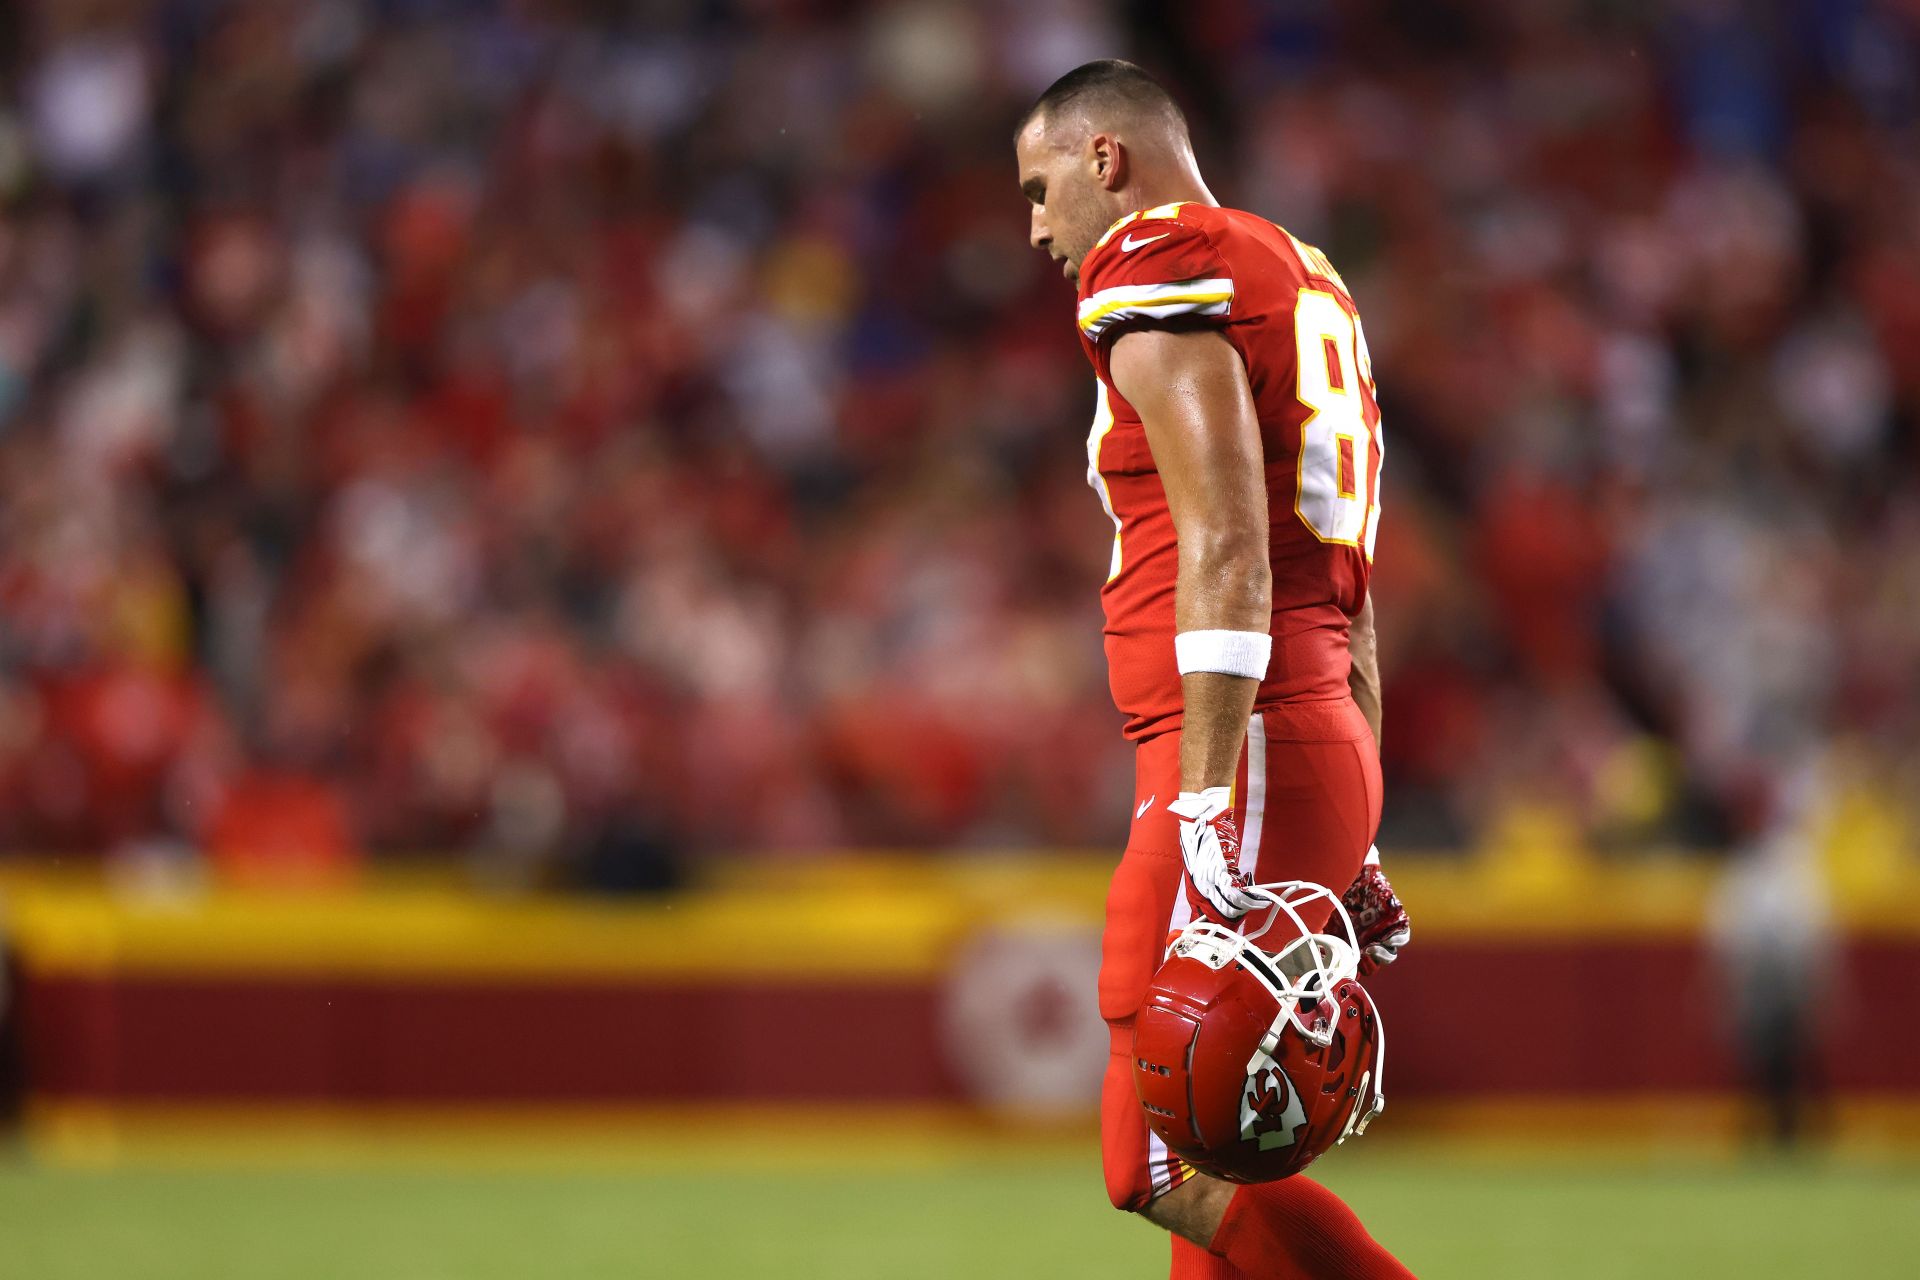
{"x":1364,"y":677}
{"x":1192,"y":395}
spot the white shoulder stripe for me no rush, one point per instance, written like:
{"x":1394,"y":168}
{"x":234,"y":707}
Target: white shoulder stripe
{"x":1102,"y":310}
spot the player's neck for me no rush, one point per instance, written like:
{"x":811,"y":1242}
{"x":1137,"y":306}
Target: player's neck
{"x":1173,"y":188}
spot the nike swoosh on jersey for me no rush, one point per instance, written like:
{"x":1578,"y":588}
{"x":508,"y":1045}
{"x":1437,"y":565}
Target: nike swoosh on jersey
{"x":1128,"y":244}
{"x":1141,"y":812}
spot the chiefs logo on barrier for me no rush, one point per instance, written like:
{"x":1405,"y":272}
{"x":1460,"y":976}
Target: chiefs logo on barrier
{"x":1023,"y":1031}
{"x":1270,"y":1110}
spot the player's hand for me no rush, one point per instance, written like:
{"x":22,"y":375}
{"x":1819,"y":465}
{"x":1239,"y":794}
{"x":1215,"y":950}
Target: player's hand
{"x":1380,"y":923}
{"x":1210,"y":843}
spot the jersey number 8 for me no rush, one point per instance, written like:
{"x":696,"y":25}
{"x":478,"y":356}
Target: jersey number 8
{"x":1338,"y":495}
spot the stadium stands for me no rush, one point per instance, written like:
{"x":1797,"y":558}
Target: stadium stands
{"x":586,"y":443}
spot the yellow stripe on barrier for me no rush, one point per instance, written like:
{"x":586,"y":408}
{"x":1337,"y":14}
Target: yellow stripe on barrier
{"x":69,"y":1133}
{"x":430,"y":934}
{"x":709,"y":1136}
{"x":877,"y":918}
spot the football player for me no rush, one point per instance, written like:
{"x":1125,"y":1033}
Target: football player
{"x":1236,"y":447}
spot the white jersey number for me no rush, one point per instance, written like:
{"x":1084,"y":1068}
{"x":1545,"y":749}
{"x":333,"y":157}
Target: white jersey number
{"x":1339,"y":496}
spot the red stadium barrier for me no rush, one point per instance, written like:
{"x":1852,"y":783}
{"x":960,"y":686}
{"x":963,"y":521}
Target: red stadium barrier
{"x":911,"y":996}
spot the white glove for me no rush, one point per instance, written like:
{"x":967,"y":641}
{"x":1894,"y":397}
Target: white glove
{"x":1209,"y":842}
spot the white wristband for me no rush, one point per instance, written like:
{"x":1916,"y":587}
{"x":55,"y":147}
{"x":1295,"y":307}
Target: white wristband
{"x":1230,"y":653}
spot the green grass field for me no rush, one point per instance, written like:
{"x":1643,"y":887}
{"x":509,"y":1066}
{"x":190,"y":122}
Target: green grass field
{"x":1468,"y":1217}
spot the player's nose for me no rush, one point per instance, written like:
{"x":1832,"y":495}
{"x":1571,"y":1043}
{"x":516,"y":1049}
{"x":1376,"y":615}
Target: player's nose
{"x":1037,"y":233}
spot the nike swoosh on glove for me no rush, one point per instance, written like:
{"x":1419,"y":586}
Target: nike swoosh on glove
{"x":1380,"y":923}
{"x":1210,"y":843}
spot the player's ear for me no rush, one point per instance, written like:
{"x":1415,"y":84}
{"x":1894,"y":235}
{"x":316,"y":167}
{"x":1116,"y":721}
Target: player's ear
{"x":1107,"y":158}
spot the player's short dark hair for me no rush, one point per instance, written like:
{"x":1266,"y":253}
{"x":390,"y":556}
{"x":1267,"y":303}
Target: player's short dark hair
{"x":1110,"y":82}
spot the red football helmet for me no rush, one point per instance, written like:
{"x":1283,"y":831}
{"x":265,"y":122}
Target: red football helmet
{"x":1250,"y":1062}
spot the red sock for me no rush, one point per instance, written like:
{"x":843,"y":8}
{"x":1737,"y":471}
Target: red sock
{"x":1296,"y":1229}
{"x":1191,"y":1262}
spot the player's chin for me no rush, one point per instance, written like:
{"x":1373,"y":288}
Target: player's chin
{"x":1070,"y":269}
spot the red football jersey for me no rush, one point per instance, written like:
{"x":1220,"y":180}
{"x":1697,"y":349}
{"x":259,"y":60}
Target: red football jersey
{"x":1286,"y":311}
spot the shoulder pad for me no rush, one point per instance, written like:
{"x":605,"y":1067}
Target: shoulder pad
{"x":1151,"y":266}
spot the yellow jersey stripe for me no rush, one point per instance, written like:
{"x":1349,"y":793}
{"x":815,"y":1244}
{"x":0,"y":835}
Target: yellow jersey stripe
{"x":1156,"y":301}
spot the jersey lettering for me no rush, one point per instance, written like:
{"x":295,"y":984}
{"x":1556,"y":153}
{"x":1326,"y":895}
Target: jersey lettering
{"x":1336,"y":497}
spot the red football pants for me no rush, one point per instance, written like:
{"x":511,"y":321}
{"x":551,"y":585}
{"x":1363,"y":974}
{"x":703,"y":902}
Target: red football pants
{"x":1307,"y":797}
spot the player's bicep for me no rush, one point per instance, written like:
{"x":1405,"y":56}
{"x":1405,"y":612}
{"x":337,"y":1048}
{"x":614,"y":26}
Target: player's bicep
{"x":1191,"y":391}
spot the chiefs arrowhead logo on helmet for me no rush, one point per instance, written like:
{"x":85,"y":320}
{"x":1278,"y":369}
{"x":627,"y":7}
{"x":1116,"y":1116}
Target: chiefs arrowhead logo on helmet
{"x":1270,"y":1111}
{"x":1250,"y":1063}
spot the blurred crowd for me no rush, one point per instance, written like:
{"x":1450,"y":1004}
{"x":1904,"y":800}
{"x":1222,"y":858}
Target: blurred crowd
{"x":585,"y":437}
